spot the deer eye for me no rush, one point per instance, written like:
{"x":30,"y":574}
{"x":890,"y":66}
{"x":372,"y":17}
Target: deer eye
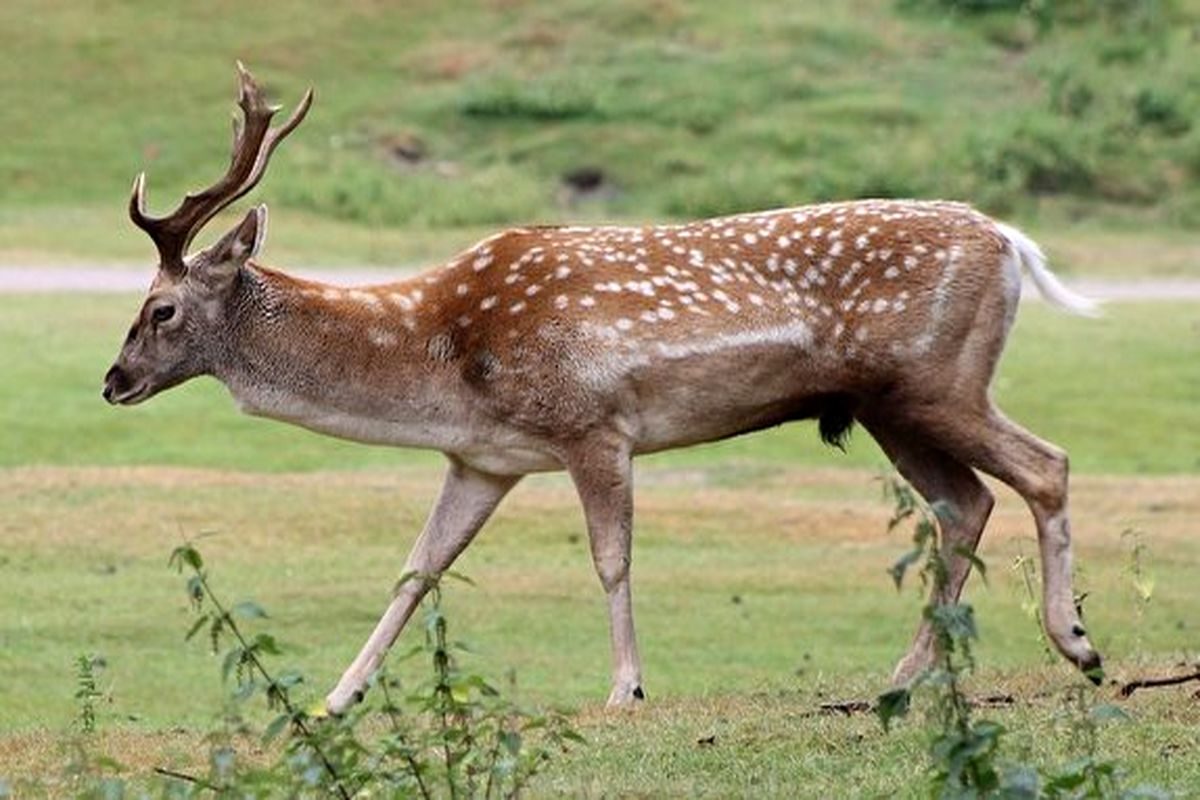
{"x":162,"y":314}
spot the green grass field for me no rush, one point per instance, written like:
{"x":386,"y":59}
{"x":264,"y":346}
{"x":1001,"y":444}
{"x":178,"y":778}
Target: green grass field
{"x":759,"y":596}
{"x":1079,"y":128}
{"x":760,"y":566}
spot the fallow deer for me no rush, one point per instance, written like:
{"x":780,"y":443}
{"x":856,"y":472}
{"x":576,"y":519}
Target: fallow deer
{"x":577,"y":348}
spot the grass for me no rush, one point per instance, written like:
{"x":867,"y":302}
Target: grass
{"x":685,"y":109}
{"x":760,"y":568}
{"x":757,"y":598}
{"x":1141,"y":359}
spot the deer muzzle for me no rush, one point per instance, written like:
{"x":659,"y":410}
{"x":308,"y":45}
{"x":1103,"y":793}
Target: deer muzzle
{"x":117,"y":388}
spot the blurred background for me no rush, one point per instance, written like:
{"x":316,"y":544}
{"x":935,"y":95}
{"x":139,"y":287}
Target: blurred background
{"x":438,"y":122}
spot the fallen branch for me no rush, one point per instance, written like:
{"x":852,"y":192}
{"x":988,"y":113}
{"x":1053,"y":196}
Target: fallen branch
{"x":994,"y":701}
{"x":1150,"y":683}
{"x":848,"y":708}
{"x":183,"y":776}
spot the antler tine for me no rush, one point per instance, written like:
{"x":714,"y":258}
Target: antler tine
{"x":270,"y":141}
{"x":137,"y":202}
{"x":156,"y":228}
{"x":253,"y":142}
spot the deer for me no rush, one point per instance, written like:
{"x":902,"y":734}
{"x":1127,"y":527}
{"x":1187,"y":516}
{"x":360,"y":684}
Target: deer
{"x":576,"y":348}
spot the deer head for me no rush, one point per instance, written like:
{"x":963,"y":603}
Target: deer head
{"x":177,"y":332}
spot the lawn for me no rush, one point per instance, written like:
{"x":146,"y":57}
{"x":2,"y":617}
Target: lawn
{"x":759,"y":596}
{"x":760,"y":568}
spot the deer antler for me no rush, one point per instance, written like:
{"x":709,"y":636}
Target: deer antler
{"x":253,"y":142}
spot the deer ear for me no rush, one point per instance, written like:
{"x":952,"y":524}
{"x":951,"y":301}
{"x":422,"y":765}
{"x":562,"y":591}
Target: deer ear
{"x":221,"y":262}
{"x":243,"y":242}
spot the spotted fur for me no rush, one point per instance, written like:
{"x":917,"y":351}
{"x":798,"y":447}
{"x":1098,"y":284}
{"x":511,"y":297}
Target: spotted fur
{"x":577,"y":348}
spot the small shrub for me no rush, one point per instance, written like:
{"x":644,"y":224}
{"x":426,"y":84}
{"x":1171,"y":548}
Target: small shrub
{"x":87,"y":692}
{"x":1071,"y":95}
{"x":965,"y":753}
{"x":1160,"y":110}
{"x":453,"y":735}
{"x":539,"y":99}
{"x":1037,"y":156}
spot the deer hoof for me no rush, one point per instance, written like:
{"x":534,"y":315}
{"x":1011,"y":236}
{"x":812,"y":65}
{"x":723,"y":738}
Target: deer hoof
{"x":626,"y":695}
{"x":340,"y":700}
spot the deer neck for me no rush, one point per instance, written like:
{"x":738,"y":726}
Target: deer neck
{"x":354,"y":363}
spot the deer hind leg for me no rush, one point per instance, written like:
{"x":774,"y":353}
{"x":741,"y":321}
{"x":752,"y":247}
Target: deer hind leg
{"x":963,"y":503}
{"x":603,"y":475}
{"x":467,"y":499}
{"x":980,"y":435}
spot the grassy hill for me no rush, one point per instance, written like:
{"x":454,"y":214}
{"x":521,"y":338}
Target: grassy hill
{"x":457,"y":117}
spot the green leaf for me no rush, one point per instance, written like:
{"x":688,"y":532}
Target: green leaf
{"x":264,"y":643}
{"x":898,"y":570}
{"x":195,"y":590}
{"x":511,"y":741}
{"x":433,"y":618}
{"x":957,"y":620}
{"x":573,"y":736}
{"x":275,"y":727}
{"x":415,"y":650}
{"x":1073,"y":775}
{"x":892,"y":705}
{"x":457,"y":576}
{"x":1021,"y":782}
{"x":925,"y":532}
{"x":196,"y":626}
{"x":248,"y":609}
{"x":975,"y":560}
{"x":185,"y":555}
{"x":245,"y":690}
{"x":214,"y":632}
{"x":232,"y":659}
{"x":406,"y":577}
{"x":289,"y":678}
{"x":1107,"y":712}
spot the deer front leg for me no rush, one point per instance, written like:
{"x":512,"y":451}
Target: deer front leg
{"x":602,"y":473}
{"x":467,"y":499}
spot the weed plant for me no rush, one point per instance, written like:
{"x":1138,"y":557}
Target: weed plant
{"x":453,"y":735}
{"x":966,"y":756}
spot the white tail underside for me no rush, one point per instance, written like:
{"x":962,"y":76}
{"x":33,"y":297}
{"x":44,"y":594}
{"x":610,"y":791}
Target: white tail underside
{"x":1028,"y":254}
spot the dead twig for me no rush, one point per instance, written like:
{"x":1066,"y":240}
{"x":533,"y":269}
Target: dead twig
{"x":848,"y":708}
{"x":845,"y":708}
{"x":183,"y":776}
{"x":1129,"y":688}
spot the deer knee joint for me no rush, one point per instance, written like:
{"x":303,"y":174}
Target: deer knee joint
{"x":612,"y":569}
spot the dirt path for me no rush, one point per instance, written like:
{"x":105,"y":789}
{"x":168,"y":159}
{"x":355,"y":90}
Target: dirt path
{"x":127,"y":279}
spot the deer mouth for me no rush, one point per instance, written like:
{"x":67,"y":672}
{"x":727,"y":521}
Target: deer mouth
{"x":127,"y":398}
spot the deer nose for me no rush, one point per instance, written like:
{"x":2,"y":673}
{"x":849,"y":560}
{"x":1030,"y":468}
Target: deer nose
{"x":114,"y":383}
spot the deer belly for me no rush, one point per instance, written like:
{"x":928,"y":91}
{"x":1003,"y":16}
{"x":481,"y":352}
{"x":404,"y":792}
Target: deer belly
{"x":700,"y":400}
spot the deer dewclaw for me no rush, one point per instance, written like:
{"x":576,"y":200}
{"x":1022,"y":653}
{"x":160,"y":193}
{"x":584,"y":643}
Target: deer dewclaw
{"x":577,"y":348}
